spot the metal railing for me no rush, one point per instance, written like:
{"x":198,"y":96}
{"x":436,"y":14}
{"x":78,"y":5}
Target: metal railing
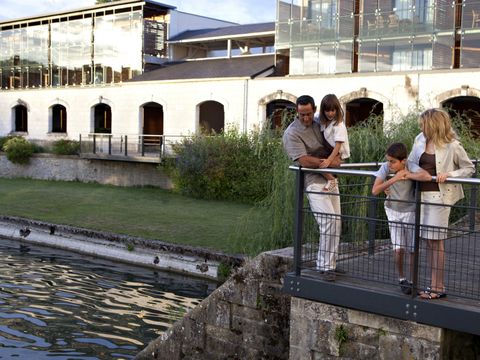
{"x":366,"y":277}
{"x":123,"y":146}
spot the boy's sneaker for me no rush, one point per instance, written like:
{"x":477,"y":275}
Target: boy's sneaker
{"x":406,"y":286}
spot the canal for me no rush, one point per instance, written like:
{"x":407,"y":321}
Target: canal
{"x":56,"y":304}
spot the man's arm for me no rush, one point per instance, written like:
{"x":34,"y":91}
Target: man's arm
{"x":314,"y":162}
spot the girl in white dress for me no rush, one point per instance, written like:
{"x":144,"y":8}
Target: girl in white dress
{"x":335,"y":133}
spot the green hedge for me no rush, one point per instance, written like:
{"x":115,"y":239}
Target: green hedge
{"x":229,"y":166}
{"x":18,"y":150}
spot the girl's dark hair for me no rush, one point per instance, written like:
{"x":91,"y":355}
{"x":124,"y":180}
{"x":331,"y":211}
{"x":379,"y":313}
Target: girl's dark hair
{"x":397,"y":151}
{"x":331,"y":102}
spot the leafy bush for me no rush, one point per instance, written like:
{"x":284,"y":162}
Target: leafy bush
{"x":66,"y":147}
{"x":18,"y":150}
{"x":3,"y":140}
{"x":228,"y":166}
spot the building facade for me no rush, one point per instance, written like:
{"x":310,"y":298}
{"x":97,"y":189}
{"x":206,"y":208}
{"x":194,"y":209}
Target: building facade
{"x":111,"y":69}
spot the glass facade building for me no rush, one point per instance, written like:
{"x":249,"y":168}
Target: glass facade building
{"x":100,"y":45}
{"x":344,"y":36}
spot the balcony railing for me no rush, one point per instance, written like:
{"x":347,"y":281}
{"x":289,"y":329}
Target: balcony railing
{"x":139,"y":148}
{"x":366,"y":278}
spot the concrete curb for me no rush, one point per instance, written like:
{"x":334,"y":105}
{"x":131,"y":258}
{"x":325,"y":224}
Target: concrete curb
{"x":133,"y":250}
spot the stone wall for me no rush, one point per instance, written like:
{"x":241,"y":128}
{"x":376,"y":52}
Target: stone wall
{"x":246,"y":318}
{"x":322,"y":331}
{"x":74,"y":168}
{"x":249,"y":317}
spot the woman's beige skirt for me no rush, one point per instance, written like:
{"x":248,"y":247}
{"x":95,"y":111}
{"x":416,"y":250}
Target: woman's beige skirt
{"x":434,"y":216}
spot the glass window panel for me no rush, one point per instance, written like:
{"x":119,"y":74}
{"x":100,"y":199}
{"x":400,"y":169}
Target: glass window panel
{"x":296,"y":61}
{"x":471,"y":14}
{"x":311,"y":58}
{"x":442,"y":57}
{"x":34,"y":76}
{"x":326,"y":59}
{"x":344,"y":57}
{"x":394,"y":55}
{"x":470,"y":50}
{"x":367,"y":56}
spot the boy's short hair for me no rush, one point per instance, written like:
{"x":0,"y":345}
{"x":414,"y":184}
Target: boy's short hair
{"x":397,"y":151}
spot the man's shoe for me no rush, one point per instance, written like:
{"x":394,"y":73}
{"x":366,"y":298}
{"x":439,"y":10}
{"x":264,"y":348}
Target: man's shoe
{"x":328,"y":275}
{"x":406,"y":286}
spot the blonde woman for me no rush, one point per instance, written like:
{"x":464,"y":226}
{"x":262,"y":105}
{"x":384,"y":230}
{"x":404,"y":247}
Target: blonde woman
{"x":437,"y":152}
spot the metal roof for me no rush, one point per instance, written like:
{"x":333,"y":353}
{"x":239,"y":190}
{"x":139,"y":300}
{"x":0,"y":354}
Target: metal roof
{"x":249,"y":66}
{"x":264,"y":29}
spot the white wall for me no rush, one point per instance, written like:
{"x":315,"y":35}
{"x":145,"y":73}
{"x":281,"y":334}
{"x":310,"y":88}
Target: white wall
{"x":180,"y":99}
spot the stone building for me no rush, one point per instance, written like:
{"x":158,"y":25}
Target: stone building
{"x":140,"y":67}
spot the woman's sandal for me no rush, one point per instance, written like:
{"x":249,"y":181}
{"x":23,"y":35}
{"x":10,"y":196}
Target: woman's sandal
{"x":429,"y":294}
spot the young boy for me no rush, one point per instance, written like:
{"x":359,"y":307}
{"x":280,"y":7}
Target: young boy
{"x":400,"y":214}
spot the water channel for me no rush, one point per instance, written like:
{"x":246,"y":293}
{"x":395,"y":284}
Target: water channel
{"x":61,"y":305}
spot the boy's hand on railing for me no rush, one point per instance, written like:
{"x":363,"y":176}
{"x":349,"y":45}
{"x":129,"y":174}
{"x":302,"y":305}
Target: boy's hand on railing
{"x":441,"y":178}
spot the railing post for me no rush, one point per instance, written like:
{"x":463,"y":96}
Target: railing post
{"x":110,"y":144}
{"x":94,"y":143}
{"x":143,"y":144}
{"x":473,"y":201}
{"x":416,"y":238}
{"x":126,"y":152}
{"x":80,"y":142}
{"x":372,"y":223}
{"x":297,"y":253}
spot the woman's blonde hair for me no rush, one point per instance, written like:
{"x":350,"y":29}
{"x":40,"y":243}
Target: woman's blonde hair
{"x":437,"y":126}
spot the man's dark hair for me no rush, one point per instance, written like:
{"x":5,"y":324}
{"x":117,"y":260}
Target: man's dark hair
{"x":397,"y":151}
{"x":305,"y":100}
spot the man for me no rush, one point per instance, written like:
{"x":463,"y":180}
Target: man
{"x":304,"y":143}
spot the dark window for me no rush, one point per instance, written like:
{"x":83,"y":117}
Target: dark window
{"x":59,"y":119}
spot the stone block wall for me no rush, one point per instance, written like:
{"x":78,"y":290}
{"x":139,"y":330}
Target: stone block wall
{"x":245,"y":318}
{"x":250,"y":318}
{"x":74,"y":168}
{"x":322,"y":331}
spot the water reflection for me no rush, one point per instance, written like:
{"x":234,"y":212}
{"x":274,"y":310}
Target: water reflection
{"x":68,"y":306}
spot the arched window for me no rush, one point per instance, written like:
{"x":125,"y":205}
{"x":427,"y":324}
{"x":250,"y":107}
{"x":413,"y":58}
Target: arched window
{"x":21,"y":118}
{"x":467,"y":108}
{"x":280,"y":113}
{"x":361,"y":109}
{"x":103,"y":119}
{"x":212,"y":117}
{"x":59,"y":119}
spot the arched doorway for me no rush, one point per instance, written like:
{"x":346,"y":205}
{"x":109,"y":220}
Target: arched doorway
{"x":21,"y":118}
{"x":361,"y":109}
{"x":102,"y":119}
{"x":152,"y":123}
{"x":212,"y":117}
{"x":467,"y":107}
{"x":59,"y":119}
{"x":279,"y":113}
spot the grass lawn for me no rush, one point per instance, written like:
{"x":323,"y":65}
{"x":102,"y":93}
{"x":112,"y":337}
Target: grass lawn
{"x":146,"y":212}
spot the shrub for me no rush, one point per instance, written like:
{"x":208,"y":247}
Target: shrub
{"x":66,"y":147}
{"x":228,"y":166}
{"x":4,"y":139}
{"x":18,"y":150}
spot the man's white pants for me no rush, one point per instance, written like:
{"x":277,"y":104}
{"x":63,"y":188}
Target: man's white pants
{"x":326,"y":209}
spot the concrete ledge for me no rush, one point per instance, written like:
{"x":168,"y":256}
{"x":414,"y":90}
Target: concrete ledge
{"x":128,"y":249}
